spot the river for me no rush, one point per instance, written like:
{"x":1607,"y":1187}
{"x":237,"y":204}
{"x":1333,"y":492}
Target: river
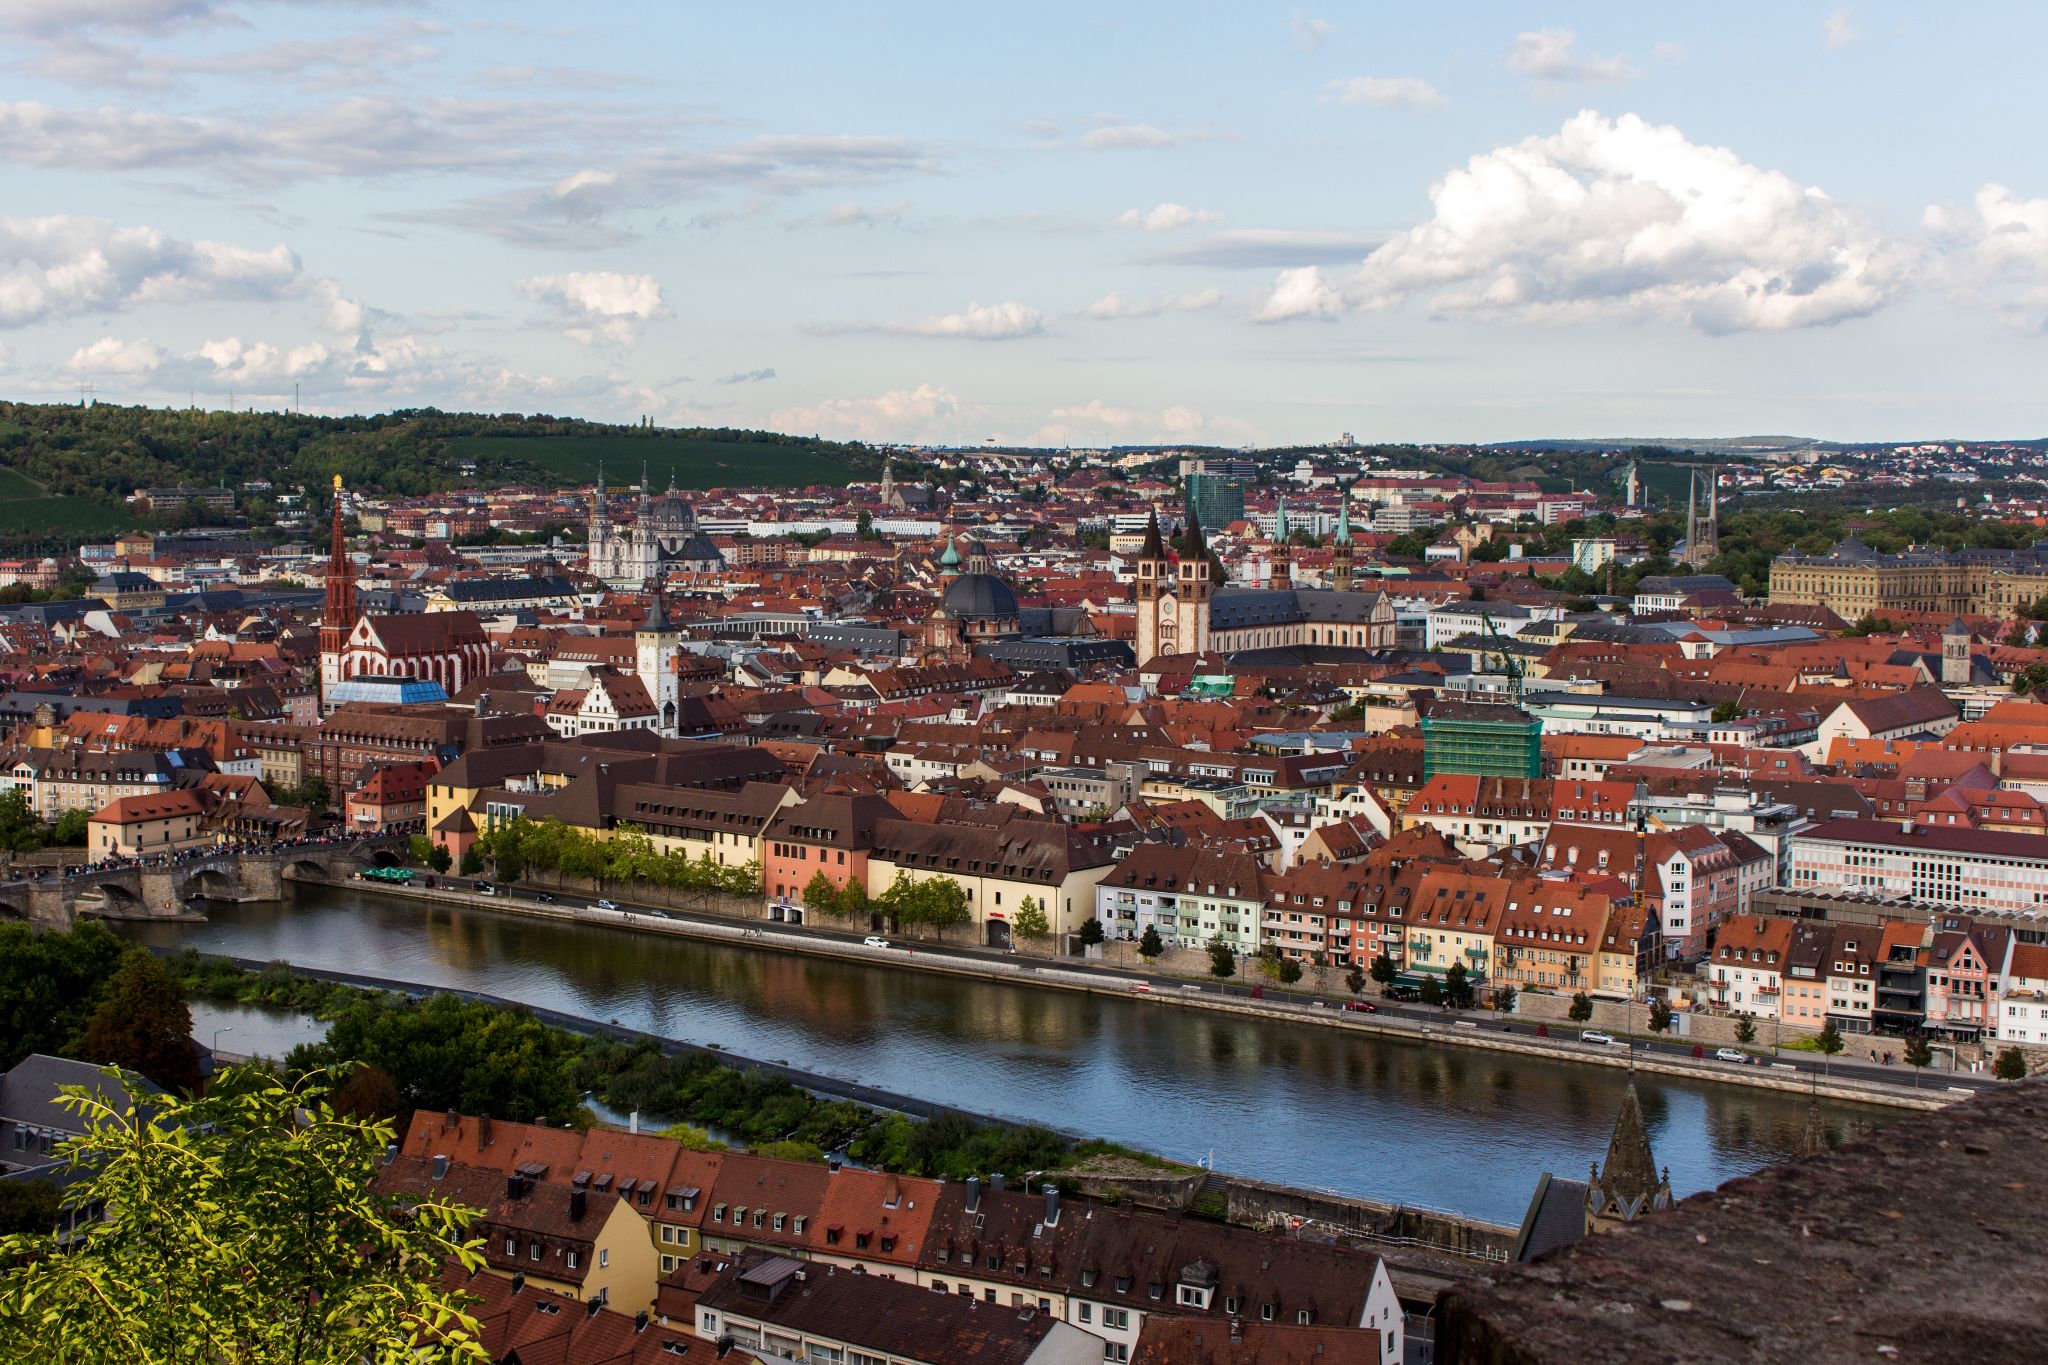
{"x":1428,"y":1125}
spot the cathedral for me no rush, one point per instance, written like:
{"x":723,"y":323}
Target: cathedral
{"x":664,"y":534}
{"x":975,"y":607}
{"x":1181,"y":610}
{"x":447,"y":647}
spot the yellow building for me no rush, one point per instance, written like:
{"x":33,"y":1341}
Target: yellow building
{"x":1855,"y":581}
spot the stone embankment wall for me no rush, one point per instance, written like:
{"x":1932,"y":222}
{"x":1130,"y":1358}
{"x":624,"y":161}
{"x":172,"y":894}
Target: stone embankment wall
{"x":1712,"y":1030}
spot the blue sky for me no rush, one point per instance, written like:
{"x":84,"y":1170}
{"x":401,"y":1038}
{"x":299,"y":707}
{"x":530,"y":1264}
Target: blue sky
{"x":1223,"y":223}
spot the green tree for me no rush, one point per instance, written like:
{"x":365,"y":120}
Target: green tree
{"x":942,"y":903}
{"x":1031,"y":920}
{"x":419,"y":848}
{"x":1581,"y":1009}
{"x":820,"y":895}
{"x":1726,"y":711}
{"x":450,"y":1053}
{"x":142,"y":1024}
{"x":510,"y":862}
{"x":246,"y":1232}
{"x":472,"y":861}
{"x":367,"y":1092}
{"x":1457,"y":985}
{"x":1830,"y":1040}
{"x":1289,"y":971}
{"x":71,"y":828}
{"x":1354,"y":979}
{"x":1504,"y":999}
{"x":1660,"y":1014}
{"x":1919,"y":1053}
{"x":21,"y":829}
{"x":2011,"y":1065}
{"x":1432,"y":991}
{"x":1222,"y":961}
{"x":439,"y":859}
{"x":50,"y":984}
{"x":1745,"y":1029}
{"x":1383,"y":970}
{"x":1150,"y":946}
{"x":1091,"y":932}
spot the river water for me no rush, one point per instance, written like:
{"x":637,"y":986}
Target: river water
{"x":1406,"y":1122}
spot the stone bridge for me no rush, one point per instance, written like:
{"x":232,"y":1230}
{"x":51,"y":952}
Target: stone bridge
{"x":156,"y":891}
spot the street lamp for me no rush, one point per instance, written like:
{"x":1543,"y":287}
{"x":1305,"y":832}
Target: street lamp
{"x":224,"y":1028}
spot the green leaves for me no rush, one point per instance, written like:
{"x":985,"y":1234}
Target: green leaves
{"x":240,"y":1227}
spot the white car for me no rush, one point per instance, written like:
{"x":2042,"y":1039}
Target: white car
{"x":1593,"y":1035}
{"x":603,"y":904}
{"x":875,"y":941}
{"x":1729,"y":1054}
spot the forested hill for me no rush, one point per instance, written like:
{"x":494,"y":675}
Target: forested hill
{"x":105,"y":452}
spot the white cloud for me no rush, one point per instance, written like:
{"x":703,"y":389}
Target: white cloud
{"x":110,"y":356}
{"x":1619,"y":217}
{"x":1164,"y":218}
{"x":569,"y":185}
{"x":1266,"y":248}
{"x":51,"y":18}
{"x":1997,"y":248}
{"x":1309,"y":34}
{"x":1112,"y":136}
{"x":760,"y":376}
{"x":598,"y":304}
{"x":1550,"y":56}
{"x":1113,"y":305}
{"x":64,"y":266}
{"x":1303,"y":292}
{"x":340,"y":314}
{"x":1836,"y":30}
{"x":1097,"y":412}
{"x":976,"y":322}
{"x":243,"y":364}
{"x":1387,"y":92}
{"x":899,"y":414}
{"x":853,"y":214}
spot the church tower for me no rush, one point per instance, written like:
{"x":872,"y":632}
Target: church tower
{"x":1632,"y":485}
{"x":1283,"y":556}
{"x":888,"y":483}
{"x":1193,"y":587}
{"x":656,"y":645}
{"x":1340,"y":554}
{"x":1152,"y":569}
{"x":1628,"y":1186}
{"x":338,"y":618}
{"x":1955,"y":654}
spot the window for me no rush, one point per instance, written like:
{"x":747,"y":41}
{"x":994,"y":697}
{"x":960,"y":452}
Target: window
{"x":1116,"y":1319}
{"x":573,"y":1260}
{"x":511,"y":1246}
{"x":1086,"y":1312}
{"x":533,"y":1251}
{"x":604,"y":1258}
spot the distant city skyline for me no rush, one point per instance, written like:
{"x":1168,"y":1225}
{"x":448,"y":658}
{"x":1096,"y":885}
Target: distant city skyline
{"x":1064,"y":225}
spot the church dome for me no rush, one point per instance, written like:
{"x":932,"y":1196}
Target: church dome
{"x":980,"y":596}
{"x":669,"y":510}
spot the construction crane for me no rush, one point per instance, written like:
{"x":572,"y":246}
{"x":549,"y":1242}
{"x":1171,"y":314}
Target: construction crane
{"x":1507,"y":661}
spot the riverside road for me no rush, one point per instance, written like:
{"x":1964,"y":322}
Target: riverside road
{"x":1380,"y":1117}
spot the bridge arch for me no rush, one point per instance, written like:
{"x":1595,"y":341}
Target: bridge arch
{"x":113,"y":898}
{"x":306,"y":869}
{"x":211,"y":882}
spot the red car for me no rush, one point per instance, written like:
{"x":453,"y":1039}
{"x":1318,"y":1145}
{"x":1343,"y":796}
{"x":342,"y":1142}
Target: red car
{"x":1362,"y":1006}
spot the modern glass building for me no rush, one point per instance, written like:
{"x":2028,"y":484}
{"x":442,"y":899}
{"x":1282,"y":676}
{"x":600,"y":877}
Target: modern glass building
{"x":1215,"y":499}
{"x":1489,"y":739}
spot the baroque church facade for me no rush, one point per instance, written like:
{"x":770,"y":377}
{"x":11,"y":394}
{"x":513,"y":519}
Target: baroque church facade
{"x":663,"y":534}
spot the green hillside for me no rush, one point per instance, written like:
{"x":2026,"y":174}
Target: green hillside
{"x":724,"y":460}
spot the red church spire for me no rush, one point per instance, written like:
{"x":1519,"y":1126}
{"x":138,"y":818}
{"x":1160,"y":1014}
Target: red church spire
{"x":341,"y":578}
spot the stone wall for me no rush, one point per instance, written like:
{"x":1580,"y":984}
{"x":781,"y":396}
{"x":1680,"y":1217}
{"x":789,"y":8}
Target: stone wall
{"x":1710,"y":1030}
{"x":1254,"y":1204}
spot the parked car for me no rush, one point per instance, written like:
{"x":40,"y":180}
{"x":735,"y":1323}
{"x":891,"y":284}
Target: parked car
{"x":875,"y":941}
{"x":1730,"y":1054}
{"x":1362,"y":1006}
{"x":544,"y":897}
{"x":603,"y":904}
{"x":483,"y":888}
{"x":657,"y":914}
{"x":1593,"y":1035}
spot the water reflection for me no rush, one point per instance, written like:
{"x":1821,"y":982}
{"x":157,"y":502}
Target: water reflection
{"x":1411,"y":1123}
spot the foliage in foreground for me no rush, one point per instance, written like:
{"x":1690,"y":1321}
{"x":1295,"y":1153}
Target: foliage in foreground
{"x":241,"y":1227}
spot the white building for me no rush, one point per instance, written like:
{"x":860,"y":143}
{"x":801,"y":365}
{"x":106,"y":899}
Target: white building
{"x":1972,"y":869}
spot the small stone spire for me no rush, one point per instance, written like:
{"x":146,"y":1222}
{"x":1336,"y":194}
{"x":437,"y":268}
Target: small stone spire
{"x":1813,"y":1135}
{"x":1155,"y":547}
{"x":1628,"y":1185}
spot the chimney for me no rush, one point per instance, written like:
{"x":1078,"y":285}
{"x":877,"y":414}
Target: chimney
{"x":633,"y":1122}
{"x":450,"y":1119}
{"x":483,"y":1131}
{"x":1052,"y":1204}
{"x":440,"y":1166}
{"x":514,"y":1186}
{"x":596,"y":1307}
{"x":576,"y":1201}
{"x":973,"y":1193}
{"x":832,"y":1164}
{"x":995,"y":1182}
{"x":639,"y":1322}
{"x":518,"y":1282}
{"x":390,"y":1152}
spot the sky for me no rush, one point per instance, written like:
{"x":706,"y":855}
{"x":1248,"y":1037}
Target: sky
{"x":1063,"y":224}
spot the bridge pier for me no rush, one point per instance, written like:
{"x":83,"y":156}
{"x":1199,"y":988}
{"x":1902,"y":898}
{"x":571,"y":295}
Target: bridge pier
{"x":155,"y":892}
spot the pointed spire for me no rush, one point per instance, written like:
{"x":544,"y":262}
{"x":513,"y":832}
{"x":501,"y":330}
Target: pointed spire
{"x":1629,"y":1175}
{"x":1155,"y":548}
{"x":1197,"y":547}
{"x":657,"y":617}
{"x":949,"y":562}
{"x":1344,"y":517}
{"x":1280,"y":520}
